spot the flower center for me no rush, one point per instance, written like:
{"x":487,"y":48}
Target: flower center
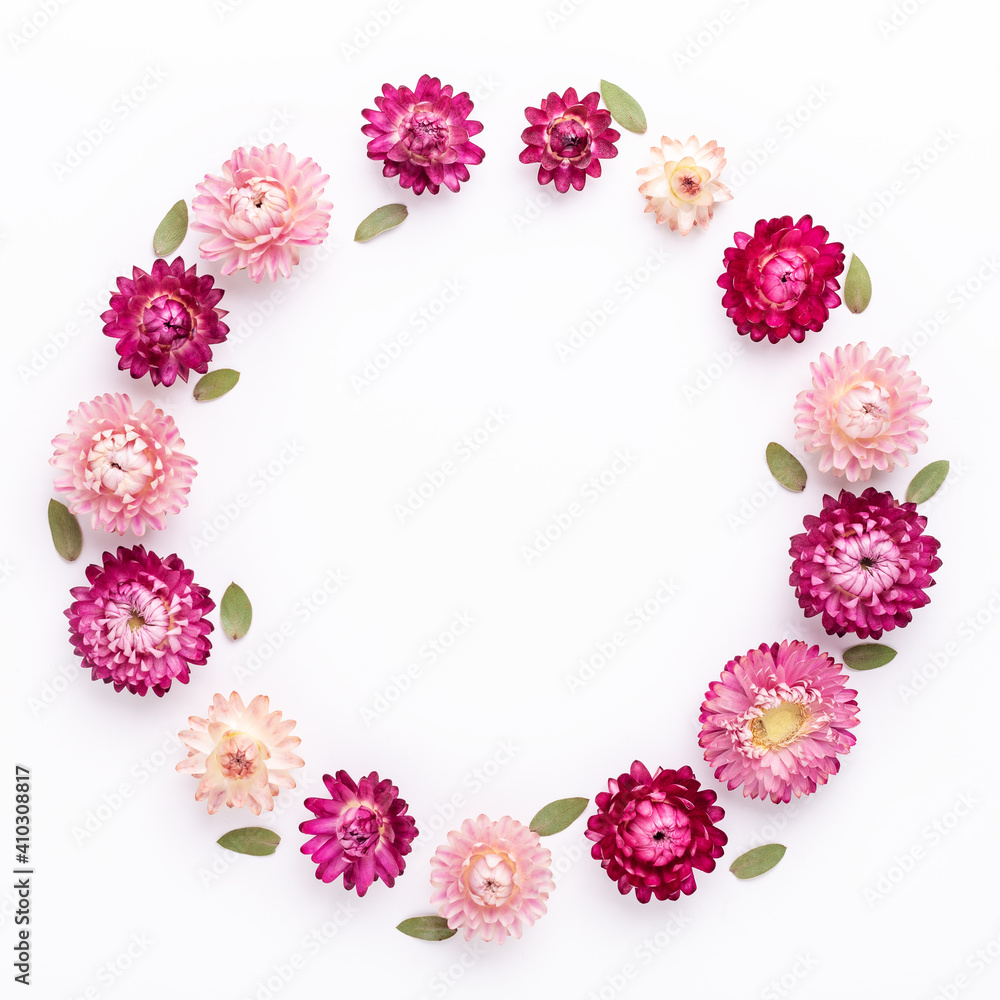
{"x":784,"y":277}
{"x":121,"y":466}
{"x":491,"y":880}
{"x":864,"y":411}
{"x":569,"y":138}
{"x":864,"y":565}
{"x":686,"y":179}
{"x":167,"y":322}
{"x":258,"y":201}
{"x":779,"y":725}
{"x":359,"y":832}
{"x":424,"y":134}
{"x":239,"y":755}
{"x":136,"y":621}
{"x":658,"y":833}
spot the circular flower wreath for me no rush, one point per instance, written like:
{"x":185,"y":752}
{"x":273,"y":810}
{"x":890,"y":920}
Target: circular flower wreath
{"x":776,"y":722}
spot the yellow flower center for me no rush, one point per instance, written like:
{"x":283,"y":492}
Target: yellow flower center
{"x":686,"y":178}
{"x":778,"y":725}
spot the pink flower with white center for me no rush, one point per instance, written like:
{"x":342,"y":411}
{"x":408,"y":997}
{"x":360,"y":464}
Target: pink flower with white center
{"x":124,"y":467}
{"x":682,"y":185}
{"x":361,"y":832}
{"x":261,"y":210}
{"x":491,"y":879}
{"x":651,"y":831}
{"x":141,"y":623}
{"x":423,"y":135}
{"x":782,"y":281}
{"x":241,"y":754}
{"x":864,"y":564}
{"x":862,"y":413}
{"x":778,"y":720}
{"x":568,"y":137}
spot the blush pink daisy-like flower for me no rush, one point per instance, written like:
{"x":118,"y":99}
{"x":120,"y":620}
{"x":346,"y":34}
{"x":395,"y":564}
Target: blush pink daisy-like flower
{"x":781,"y":281}
{"x":652,"y":830}
{"x":141,"y":623}
{"x":862,"y":412}
{"x":491,"y":879}
{"x":165,"y":322}
{"x":864,"y":564}
{"x":261,"y":210}
{"x":361,"y":832}
{"x":778,"y":720}
{"x":242,"y":755}
{"x":122,"y":466}
{"x":568,"y":137}
{"x":422,"y":136}
{"x":682,"y":185}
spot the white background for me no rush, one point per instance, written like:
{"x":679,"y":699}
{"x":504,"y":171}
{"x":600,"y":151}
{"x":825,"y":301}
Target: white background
{"x":132,"y":897}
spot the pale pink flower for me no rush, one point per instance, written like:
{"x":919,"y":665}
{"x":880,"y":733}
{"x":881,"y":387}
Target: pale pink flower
{"x":124,"y":467}
{"x":242,"y":754}
{"x":682,"y":185}
{"x":862,"y":413}
{"x":264,"y":207}
{"x":491,"y":878}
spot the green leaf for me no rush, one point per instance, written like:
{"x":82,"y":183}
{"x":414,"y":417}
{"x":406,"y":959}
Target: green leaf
{"x":386,"y":217}
{"x":66,"y":534}
{"x":624,"y":107}
{"x":255,"y":840}
{"x":171,"y":231}
{"x":556,"y":816}
{"x":786,"y":468}
{"x":927,"y":482}
{"x":427,"y":928}
{"x":216,"y":384}
{"x":235,"y":612}
{"x":759,"y":860}
{"x":868,"y":656}
{"x":857,"y":286}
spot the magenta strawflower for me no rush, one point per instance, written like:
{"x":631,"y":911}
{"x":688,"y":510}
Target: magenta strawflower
{"x":864,"y":564}
{"x":781,"y":281}
{"x":422,"y":136}
{"x":261,"y":210}
{"x":165,"y":322}
{"x":124,"y":467}
{"x":242,"y":754}
{"x":777,"y":720}
{"x":652,"y":831}
{"x":141,"y":623}
{"x":568,"y":137}
{"x":862,"y":413}
{"x":491,"y":879}
{"x":361,"y":832}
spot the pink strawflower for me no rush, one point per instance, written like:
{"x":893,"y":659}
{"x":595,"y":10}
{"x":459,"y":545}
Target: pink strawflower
{"x":777,"y":720}
{"x":122,"y":466}
{"x":264,"y":207}
{"x":491,"y":879}
{"x":781,"y":281}
{"x":141,"y":623}
{"x":242,"y":754}
{"x":423,"y":135}
{"x":165,"y":322}
{"x":652,"y":830}
{"x":864,"y":564}
{"x":862,"y":413}
{"x":682,"y":184}
{"x":361,"y":832}
{"x":567,"y":138}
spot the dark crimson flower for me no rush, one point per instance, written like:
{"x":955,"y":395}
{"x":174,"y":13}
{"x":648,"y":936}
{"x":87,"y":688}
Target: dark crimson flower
{"x":863,"y":564}
{"x":423,"y":135}
{"x":781,"y":281}
{"x":361,"y":832}
{"x":568,"y":138}
{"x":165,"y":321}
{"x":651,"y":831}
{"x":141,"y":623}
